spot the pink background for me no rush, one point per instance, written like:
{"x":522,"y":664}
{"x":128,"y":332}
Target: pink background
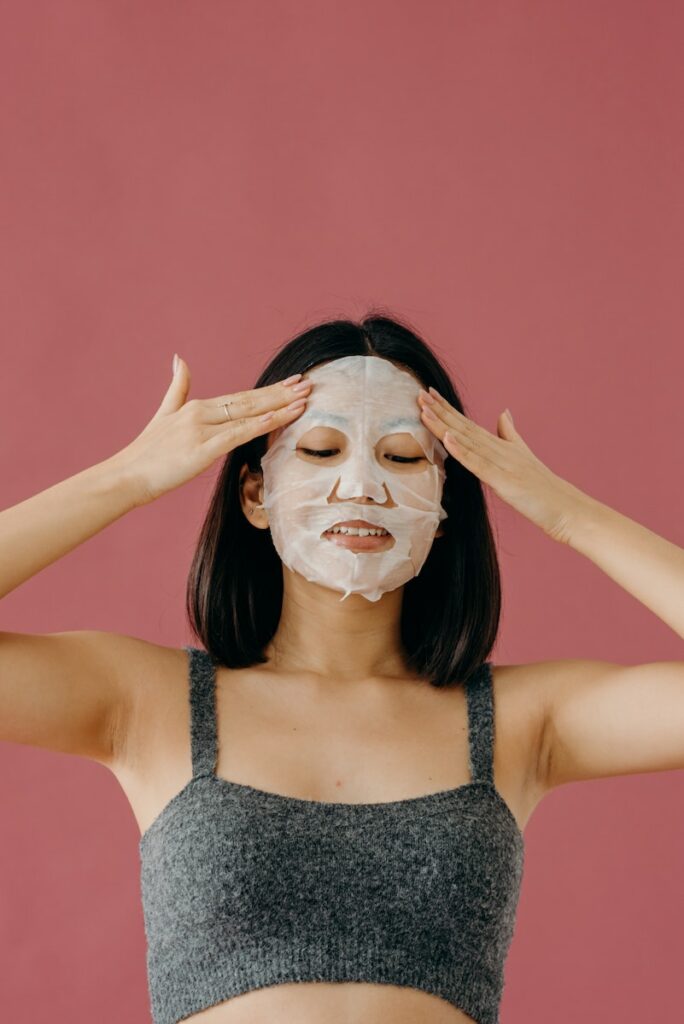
{"x":209,"y":178}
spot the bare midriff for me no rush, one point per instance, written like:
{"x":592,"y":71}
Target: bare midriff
{"x":334,"y":1003}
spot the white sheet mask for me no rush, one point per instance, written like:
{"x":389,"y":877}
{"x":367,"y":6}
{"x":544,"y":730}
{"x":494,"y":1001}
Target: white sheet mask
{"x":366,"y":398}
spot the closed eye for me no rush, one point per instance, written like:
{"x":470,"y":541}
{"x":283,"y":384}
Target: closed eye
{"x":326,"y":452}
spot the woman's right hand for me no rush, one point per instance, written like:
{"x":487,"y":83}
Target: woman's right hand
{"x":183,"y":438}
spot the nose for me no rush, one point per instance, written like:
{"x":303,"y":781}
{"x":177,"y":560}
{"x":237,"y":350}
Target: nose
{"x":364,"y":499}
{"x":362,"y":478}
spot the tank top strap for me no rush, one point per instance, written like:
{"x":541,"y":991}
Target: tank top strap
{"x":481,"y":723}
{"x":202,"y":693}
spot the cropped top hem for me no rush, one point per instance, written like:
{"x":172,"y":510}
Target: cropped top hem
{"x":472,"y":991}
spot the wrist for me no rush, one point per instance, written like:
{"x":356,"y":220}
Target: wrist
{"x":117,"y":473}
{"x":582,"y":518}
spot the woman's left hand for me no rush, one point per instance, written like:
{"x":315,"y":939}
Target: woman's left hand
{"x":507,"y":465}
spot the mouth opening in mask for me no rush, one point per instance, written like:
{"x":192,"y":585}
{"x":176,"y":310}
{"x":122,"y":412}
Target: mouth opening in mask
{"x":360,"y":535}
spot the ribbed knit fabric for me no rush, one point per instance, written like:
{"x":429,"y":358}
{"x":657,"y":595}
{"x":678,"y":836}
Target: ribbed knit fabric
{"x":243,"y":888}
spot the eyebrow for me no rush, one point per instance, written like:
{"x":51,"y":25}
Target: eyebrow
{"x":331,"y":418}
{"x":316,"y":416}
{"x":400,"y":421}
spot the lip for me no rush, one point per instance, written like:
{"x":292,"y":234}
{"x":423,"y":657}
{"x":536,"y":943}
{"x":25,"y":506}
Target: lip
{"x":360,"y":543}
{"x":360,"y":523}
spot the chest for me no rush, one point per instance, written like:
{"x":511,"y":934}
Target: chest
{"x":355,"y":744}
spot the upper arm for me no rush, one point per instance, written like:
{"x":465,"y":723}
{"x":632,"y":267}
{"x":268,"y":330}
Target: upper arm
{"x":603,"y":719}
{"x":64,"y":692}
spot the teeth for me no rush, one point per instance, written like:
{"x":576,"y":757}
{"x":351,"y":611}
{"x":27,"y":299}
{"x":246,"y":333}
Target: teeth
{"x":358,"y":531}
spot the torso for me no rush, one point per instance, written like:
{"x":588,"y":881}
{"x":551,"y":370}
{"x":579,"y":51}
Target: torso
{"x":367,"y":741}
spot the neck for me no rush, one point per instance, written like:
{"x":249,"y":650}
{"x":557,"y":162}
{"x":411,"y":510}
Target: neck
{"x":343,"y":640}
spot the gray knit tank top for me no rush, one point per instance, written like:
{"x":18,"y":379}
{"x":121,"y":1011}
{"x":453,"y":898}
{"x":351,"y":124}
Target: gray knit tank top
{"x":244,"y":888}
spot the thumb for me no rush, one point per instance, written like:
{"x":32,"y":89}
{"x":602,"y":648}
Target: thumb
{"x":506,"y":428}
{"x":179,"y":388}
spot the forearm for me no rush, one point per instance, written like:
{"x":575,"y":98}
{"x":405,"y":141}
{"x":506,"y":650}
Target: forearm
{"x":40,"y":530}
{"x":644,"y":564}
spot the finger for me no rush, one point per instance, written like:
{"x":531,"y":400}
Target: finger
{"x":506,"y":429}
{"x":224,"y":437}
{"x":466,"y":430}
{"x":473,"y":461}
{"x":471,"y":449}
{"x":177,"y":391}
{"x":255,"y":403}
{"x":452,"y":416}
{"x":283,"y":387}
{"x":441,"y":408}
{"x":436,"y":400}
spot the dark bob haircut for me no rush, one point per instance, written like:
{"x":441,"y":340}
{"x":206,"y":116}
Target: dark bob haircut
{"x":450,"y":611}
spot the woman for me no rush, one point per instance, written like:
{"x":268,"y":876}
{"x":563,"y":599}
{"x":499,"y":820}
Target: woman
{"x":332,"y":790}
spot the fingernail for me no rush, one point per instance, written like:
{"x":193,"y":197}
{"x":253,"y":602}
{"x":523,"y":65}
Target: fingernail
{"x":175,"y":363}
{"x":266,"y":417}
{"x":508,"y":413}
{"x":426,"y":397}
{"x":296,"y":404}
{"x":292,"y":380}
{"x":435,"y":392}
{"x":298,"y":388}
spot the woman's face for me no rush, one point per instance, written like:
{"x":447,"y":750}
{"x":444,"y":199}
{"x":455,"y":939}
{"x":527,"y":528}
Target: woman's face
{"x":358,"y":451}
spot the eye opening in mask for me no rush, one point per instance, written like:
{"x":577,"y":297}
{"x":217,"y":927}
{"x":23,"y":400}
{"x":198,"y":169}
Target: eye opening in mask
{"x":400,"y":451}
{"x":324,"y":453}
